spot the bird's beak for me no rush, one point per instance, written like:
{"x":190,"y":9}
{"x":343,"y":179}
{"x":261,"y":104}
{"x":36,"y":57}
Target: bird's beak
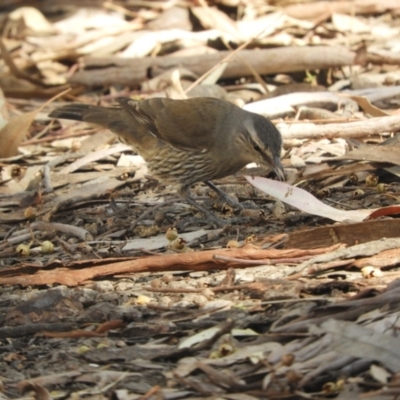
{"x":278,"y":169}
{"x":276,"y":165}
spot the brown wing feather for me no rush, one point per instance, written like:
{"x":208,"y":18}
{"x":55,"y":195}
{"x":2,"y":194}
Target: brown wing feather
{"x":133,"y":108}
{"x":177,"y":122}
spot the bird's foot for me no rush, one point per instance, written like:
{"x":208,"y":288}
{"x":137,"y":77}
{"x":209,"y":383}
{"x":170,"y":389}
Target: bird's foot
{"x":205,"y":223}
{"x":214,"y":222}
{"x":224,"y":197}
{"x":209,"y":217}
{"x":247,"y":216}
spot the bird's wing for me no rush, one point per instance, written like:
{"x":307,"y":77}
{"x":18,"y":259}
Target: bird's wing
{"x":190,"y":124}
{"x":141,"y":116}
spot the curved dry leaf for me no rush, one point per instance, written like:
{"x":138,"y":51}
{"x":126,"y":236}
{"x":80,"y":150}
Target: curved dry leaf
{"x":305,"y":201}
{"x":369,"y":108}
{"x":175,"y":91}
{"x":348,"y":23}
{"x":215,"y":75}
{"x":41,"y":393}
{"x":12,"y":134}
{"x":33,"y":21}
{"x":212,"y":18}
{"x":267,"y":25}
{"x":4,"y":117}
{"x":142,"y":45}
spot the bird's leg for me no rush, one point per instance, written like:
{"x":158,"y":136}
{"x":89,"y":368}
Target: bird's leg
{"x":227,"y":199}
{"x":185,"y":194}
{"x":210,"y":216}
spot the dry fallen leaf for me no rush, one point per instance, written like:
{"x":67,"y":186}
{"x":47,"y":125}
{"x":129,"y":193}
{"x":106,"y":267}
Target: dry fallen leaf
{"x":31,"y":22}
{"x":366,"y":105}
{"x":12,"y":134}
{"x":305,"y":201}
{"x":4,"y":117}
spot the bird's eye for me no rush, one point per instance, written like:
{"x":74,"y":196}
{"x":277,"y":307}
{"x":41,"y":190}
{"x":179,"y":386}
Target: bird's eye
{"x":256,"y":148}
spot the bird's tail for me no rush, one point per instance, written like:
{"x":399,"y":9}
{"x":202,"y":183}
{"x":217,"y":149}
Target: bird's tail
{"x":107,"y":117}
{"x":84,"y":112}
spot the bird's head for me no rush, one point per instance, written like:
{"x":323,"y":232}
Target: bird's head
{"x":264,"y":142}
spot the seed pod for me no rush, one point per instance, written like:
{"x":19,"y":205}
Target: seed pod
{"x":47,"y":247}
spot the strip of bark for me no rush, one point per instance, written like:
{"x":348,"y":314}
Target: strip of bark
{"x":131,"y":72}
{"x":196,"y":261}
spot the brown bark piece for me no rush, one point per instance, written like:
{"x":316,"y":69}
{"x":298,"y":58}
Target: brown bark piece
{"x":196,"y":261}
{"x":387,"y":258}
{"x":361,"y":232}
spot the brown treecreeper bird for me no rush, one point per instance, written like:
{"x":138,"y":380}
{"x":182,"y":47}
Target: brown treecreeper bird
{"x":187,"y":141}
